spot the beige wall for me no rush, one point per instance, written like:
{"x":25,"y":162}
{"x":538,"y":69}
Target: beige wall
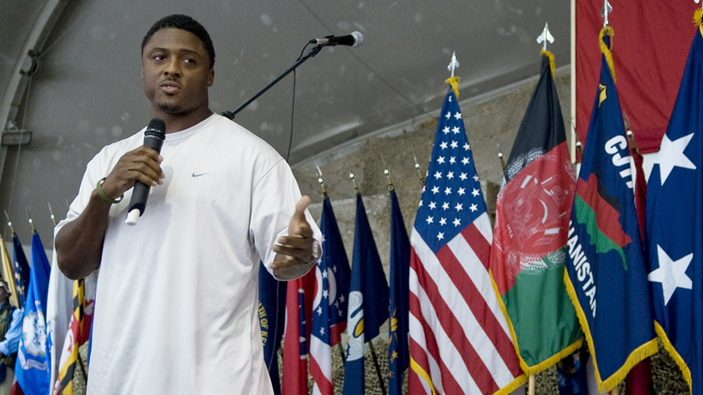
{"x":490,"y":120}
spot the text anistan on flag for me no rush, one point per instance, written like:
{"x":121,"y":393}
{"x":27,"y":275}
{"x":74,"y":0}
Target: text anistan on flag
{"x":459,"y":339}
{"x":606,"y":261}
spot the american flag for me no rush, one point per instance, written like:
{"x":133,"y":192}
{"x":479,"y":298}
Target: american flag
{"x":459,"y":340}
{"x":329,"y":317}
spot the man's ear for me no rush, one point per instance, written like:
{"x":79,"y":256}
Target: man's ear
{"x":141,"y":74}
{"x":211,"y":77}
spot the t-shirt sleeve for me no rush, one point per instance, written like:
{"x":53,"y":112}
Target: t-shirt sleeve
{"x":273,"y":203}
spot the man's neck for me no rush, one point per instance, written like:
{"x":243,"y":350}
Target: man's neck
{"x":178,"y":122}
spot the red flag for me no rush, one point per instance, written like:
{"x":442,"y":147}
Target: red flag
{"x":640,"y":190}
{"x":299,"y":300}
{"x":650,"y":55}
{"x":639,"y":380}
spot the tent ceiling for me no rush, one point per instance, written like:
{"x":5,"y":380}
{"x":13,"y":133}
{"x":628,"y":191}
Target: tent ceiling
{"x":87,"y":92}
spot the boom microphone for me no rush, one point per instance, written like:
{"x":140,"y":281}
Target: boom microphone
{"x":153,"y":138}
{"x":355,"y":39}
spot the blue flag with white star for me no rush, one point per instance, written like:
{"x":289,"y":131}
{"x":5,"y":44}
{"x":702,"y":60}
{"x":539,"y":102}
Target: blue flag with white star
{"x":398,"y":348}
{"x":32,"y":366}
{"x":606,"y":272}
{"x":675,"y":226}
{"x":368,"y":301}
{"x":21,"y":271}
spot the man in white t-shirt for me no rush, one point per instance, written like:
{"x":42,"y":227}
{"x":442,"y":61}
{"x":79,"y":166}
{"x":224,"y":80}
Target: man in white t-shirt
{"x":176,"y":303}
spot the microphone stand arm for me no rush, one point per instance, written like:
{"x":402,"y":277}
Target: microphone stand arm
{"x":314,"y":51}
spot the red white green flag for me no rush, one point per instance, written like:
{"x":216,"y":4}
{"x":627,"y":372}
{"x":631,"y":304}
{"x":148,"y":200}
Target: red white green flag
{"x":532,"y":215}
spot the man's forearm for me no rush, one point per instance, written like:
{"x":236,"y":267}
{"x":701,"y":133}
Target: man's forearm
{"x":79,"y":243}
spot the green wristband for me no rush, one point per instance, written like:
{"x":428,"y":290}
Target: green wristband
{"x":103,"y":195}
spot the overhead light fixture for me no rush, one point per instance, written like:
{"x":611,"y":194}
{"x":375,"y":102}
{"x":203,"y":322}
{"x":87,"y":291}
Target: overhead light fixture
{"x":16,"y":137}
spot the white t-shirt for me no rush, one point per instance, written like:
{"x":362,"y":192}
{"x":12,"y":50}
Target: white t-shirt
{"x":176,"y":303}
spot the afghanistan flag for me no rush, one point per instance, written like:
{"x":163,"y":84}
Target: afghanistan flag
{"x":606,"y":275}
{"x":675,"y":225}
{"x":529,"y":241}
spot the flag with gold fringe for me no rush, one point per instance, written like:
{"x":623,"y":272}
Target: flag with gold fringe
{"x":675,"y":224}
{"x":529,"y":241}
{"x":606,"y":273}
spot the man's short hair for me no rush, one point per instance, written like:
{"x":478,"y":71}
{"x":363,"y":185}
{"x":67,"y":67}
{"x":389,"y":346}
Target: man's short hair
{"x":186,"y":23}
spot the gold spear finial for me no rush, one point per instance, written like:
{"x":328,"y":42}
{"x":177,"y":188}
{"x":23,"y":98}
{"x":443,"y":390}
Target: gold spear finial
{"x":321,"y":181}
{"x":351,"y":176}
{"x":31,"y":222}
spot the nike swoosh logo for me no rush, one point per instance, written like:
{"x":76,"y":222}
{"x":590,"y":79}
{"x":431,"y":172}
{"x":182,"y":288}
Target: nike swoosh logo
{"x":198,"y":175}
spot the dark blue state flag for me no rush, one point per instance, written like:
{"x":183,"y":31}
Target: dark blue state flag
{"x":606,"y":272}
{"x":675,"y":226}
{"x":329,"y":317}
{"x":368,"y":295}
{"x":21,"y":271}
{"x":272,"y":312}
{"x":398,"y":348}
{"x":32,"y":366}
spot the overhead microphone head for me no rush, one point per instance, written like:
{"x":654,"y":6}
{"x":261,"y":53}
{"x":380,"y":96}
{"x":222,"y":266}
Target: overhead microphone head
{"x":356,"y":39}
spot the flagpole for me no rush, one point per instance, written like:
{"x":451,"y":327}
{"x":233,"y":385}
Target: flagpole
{"x":501,"y":157}
{"x":417,"y":167}
{"x":9,"y":271}
{"x":378,"y":368}
{"x":31,"y":222}
{"x":321,"y":181}
{"x":373,"y":351}
{"x":53,"y":217}
{"x":531,"y":385}
{"x":572,"y":129}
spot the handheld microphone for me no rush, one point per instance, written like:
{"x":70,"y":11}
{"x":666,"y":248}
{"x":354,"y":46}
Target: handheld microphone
{"x":153,"y":138}
{"x":355,"y":39}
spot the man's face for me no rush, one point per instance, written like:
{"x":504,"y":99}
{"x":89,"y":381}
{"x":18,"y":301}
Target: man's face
{"x":176,"y":72}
